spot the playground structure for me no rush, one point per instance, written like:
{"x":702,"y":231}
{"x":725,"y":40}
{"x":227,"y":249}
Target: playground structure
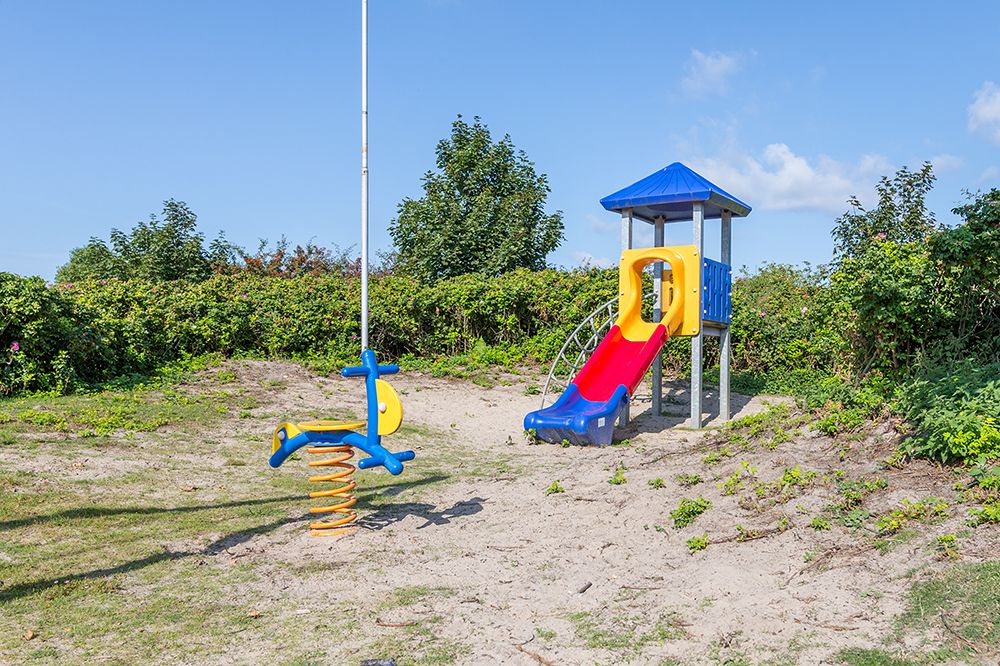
{"x":385,"y":415}
{"x":696,"y":292}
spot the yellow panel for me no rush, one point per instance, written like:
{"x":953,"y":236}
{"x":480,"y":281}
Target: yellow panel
{"x":681,"y":315}
{"x":290,"y":431}
{"x":390,"y":408}
{"x":323,"y":426}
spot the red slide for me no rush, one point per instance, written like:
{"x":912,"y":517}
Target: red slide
{"x":618,"y":361}
{"x":587,"y":410}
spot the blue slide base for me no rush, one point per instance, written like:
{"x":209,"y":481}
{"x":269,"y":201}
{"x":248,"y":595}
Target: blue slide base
{"x":576,"y":419}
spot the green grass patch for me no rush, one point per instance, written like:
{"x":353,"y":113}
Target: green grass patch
{"x":625,"y":635}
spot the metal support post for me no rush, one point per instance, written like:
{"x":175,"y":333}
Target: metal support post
{"x":657,"y":316}
{"x":626,"y":245}
{"x":697,"y":341}
{"x":725,"y":350}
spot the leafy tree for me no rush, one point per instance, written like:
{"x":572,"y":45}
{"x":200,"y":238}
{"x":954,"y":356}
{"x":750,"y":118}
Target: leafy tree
{"x":968,"y":256}
{"x":156,"y":250}
{"x":483,"y":211}
{"x":900,"y":216}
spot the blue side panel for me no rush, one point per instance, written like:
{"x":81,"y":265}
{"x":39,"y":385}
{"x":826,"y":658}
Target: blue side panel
{"x":717,"y":295}
{"x":576,"y":419}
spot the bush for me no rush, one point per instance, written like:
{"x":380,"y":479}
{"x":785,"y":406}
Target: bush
{"x":954,"y":409}
{"x":45,"y":343}
{"x":92,"y":331}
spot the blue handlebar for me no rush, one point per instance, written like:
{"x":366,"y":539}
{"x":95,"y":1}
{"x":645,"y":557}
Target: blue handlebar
{"x":362,"y":371}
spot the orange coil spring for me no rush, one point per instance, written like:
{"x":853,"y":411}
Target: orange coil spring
{"x":342,"y":492}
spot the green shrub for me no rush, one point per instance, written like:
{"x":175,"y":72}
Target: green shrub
{"x":954,"y":410}
{"x":92,"y":331}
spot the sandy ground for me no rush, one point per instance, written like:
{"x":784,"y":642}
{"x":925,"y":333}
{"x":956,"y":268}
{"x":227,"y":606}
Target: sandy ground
{"x":516,"y":561}
{"x":520,"y":577}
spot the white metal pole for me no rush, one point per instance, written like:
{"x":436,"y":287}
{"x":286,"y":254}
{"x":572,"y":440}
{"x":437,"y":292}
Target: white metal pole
{"x":697,"y":341}
{"x":725,"y":342}
{"x":364,"y":174}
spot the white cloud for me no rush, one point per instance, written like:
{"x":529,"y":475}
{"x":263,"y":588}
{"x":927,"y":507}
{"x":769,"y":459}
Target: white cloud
{"x":945,"y":162}
{"x":584,"y":258}
{"x":781,"y":180}
{"x":990,"y":175}
{"x":605,"y":224}
{"x":984,"y":112}
{"x":709,"y":72}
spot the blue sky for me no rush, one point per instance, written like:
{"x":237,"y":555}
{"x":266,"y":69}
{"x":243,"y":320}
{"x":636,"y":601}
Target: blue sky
{"x":249,"y":111}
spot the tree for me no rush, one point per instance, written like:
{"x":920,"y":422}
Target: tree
{"x":483,"y":211}
{"x":171,"y":249}
{"x":900,"y":216}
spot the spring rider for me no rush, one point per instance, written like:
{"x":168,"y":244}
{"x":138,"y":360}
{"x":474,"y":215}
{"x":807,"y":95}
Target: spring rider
{"x":385,"y":415}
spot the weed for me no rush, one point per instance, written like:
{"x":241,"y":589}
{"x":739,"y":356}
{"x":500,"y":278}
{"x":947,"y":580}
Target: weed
{"x":697,"y":543}
{"x":853,"y":493}
{"x":797,"y":477}
{"x":988,"y":513}
{"x":734,"y":481}
{"x":688,"y":510}
{"x":554,"y":488}
{"x":897,"y":459}
{"x":819,"y":524}
{"x":923,"y":509}
{"x":946,"y":546}
{"x":855,"y":518}
{"x":618,"y":478}
{"x":839,"y":420}
{"x":225,"y":376}
{"x":688,"y":480}
{"x":532,"y":390}
{"x":714,"y":457}
{"x":531,"y":436}
{"x":565,"y":444}
{"x":656,"y":483}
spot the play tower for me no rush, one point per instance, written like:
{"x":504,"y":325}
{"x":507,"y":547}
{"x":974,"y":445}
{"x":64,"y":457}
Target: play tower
{"x":606,"y":357}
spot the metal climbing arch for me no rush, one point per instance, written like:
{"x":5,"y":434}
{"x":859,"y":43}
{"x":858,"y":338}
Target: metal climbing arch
{"x":578,"y":347}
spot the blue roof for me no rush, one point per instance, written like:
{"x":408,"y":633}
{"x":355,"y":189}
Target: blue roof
{"x":671,"y":193}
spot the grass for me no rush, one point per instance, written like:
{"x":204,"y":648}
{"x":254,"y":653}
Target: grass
{"x":625,"y":635}
{"x":967,"y":595}
{"x":100,"y":414}
{"x":960,"y":604}
{"x":130,"y":559}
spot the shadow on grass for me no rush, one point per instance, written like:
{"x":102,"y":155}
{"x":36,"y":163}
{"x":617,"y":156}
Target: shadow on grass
{"x":222,"y":544}
{"x":389,"y":488}
{"x":100,"y":512}
{"x":383,"y":517}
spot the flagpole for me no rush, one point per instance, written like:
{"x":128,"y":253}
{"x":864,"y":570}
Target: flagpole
{"x":364,"y":174}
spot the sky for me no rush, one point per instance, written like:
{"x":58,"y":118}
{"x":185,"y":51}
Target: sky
{"x":250,"y":112}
